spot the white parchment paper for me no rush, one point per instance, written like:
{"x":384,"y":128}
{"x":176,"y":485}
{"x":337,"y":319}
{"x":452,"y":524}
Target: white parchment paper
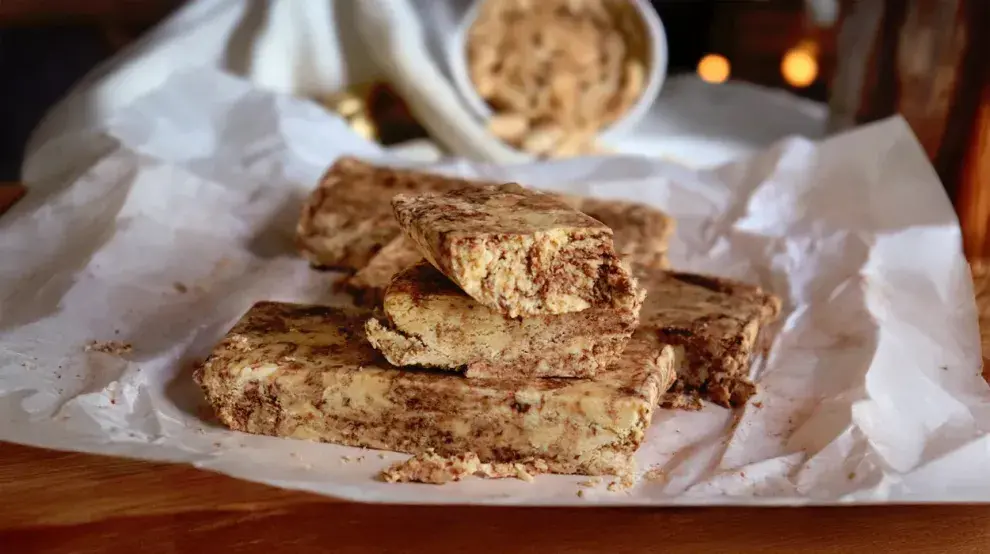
{"x":177,"y":215}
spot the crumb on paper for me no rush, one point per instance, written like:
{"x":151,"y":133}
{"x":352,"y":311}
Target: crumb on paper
{"x":381,"y":455}
{"x":595,"y":481}
{"x":345,"y":459}
{"x":430,"y":467}
{"x":580,"y":493}
{"x":758,"y":405}
{"x":852,"y":475}
{"x":109,"y":347}
{"x":217,"y":444}
{"x":293,"y":454}
{"x":179,"y":287}
{"x":537,"y":90}
{"x":621,"y":483}
{"x":656,"y":474}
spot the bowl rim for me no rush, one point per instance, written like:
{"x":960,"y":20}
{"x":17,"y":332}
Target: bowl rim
{"x":657,"y":74}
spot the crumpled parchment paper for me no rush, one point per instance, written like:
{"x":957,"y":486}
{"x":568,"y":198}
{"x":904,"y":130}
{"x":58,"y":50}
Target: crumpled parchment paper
{"x":178,"y":214}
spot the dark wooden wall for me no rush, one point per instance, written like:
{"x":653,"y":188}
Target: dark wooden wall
{"x":754,"y":36}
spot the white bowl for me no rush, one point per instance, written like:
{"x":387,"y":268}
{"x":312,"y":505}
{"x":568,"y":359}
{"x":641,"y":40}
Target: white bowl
{"x":656,"y":72}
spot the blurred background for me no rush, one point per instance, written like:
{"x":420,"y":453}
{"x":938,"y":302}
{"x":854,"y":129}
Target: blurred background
{"x":849,"y":62}
{"x":47,"y":45}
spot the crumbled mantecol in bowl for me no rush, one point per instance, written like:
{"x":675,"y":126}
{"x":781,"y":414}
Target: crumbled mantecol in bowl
{"x":556,"y":72}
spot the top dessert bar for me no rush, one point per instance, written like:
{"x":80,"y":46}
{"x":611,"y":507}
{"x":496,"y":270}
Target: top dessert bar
{"x":308,"y":372}
{"x":713,"y":324}
{"x":348,"y":218}
{"x":517,"y":251}
{"x":640,"y":235}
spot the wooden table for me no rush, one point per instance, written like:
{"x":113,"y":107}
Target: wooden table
{"x":74,"y":503}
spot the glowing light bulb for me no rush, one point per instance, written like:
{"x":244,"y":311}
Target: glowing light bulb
{"x":799,"y":66}
{"x":714,"y":68}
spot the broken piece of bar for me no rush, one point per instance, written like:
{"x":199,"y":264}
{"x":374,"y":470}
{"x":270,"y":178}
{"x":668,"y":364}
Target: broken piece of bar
{"x":348,"y":218}
{"x":308,"y":372}
{"x":431,"y":322}
{"x":517,"y":251}
{"x":713,"y":324}
{"x":640,"y":232}
{"x":368,"y":285}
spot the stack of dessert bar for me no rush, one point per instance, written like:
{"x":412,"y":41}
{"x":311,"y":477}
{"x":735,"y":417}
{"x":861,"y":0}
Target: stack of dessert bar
{"x":492,"y":320}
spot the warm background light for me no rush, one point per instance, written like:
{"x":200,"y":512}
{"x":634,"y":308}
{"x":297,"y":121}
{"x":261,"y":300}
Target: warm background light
{"x":714,"y":68}
{"x":799,"y":67}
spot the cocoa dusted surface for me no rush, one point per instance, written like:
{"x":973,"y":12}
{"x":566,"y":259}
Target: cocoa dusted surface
{"x":716,"y":321}
{"x":502,"y":209}
{"x":309,"y":372}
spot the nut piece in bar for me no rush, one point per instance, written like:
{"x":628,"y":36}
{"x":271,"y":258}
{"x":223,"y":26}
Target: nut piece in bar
{"x":368,"y":285}
{"x":348,"y":217}
{"x":517,"y":251}
{"x":712,"y":324}
{"x":308,"y":372}
{"x":431,"y":322}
